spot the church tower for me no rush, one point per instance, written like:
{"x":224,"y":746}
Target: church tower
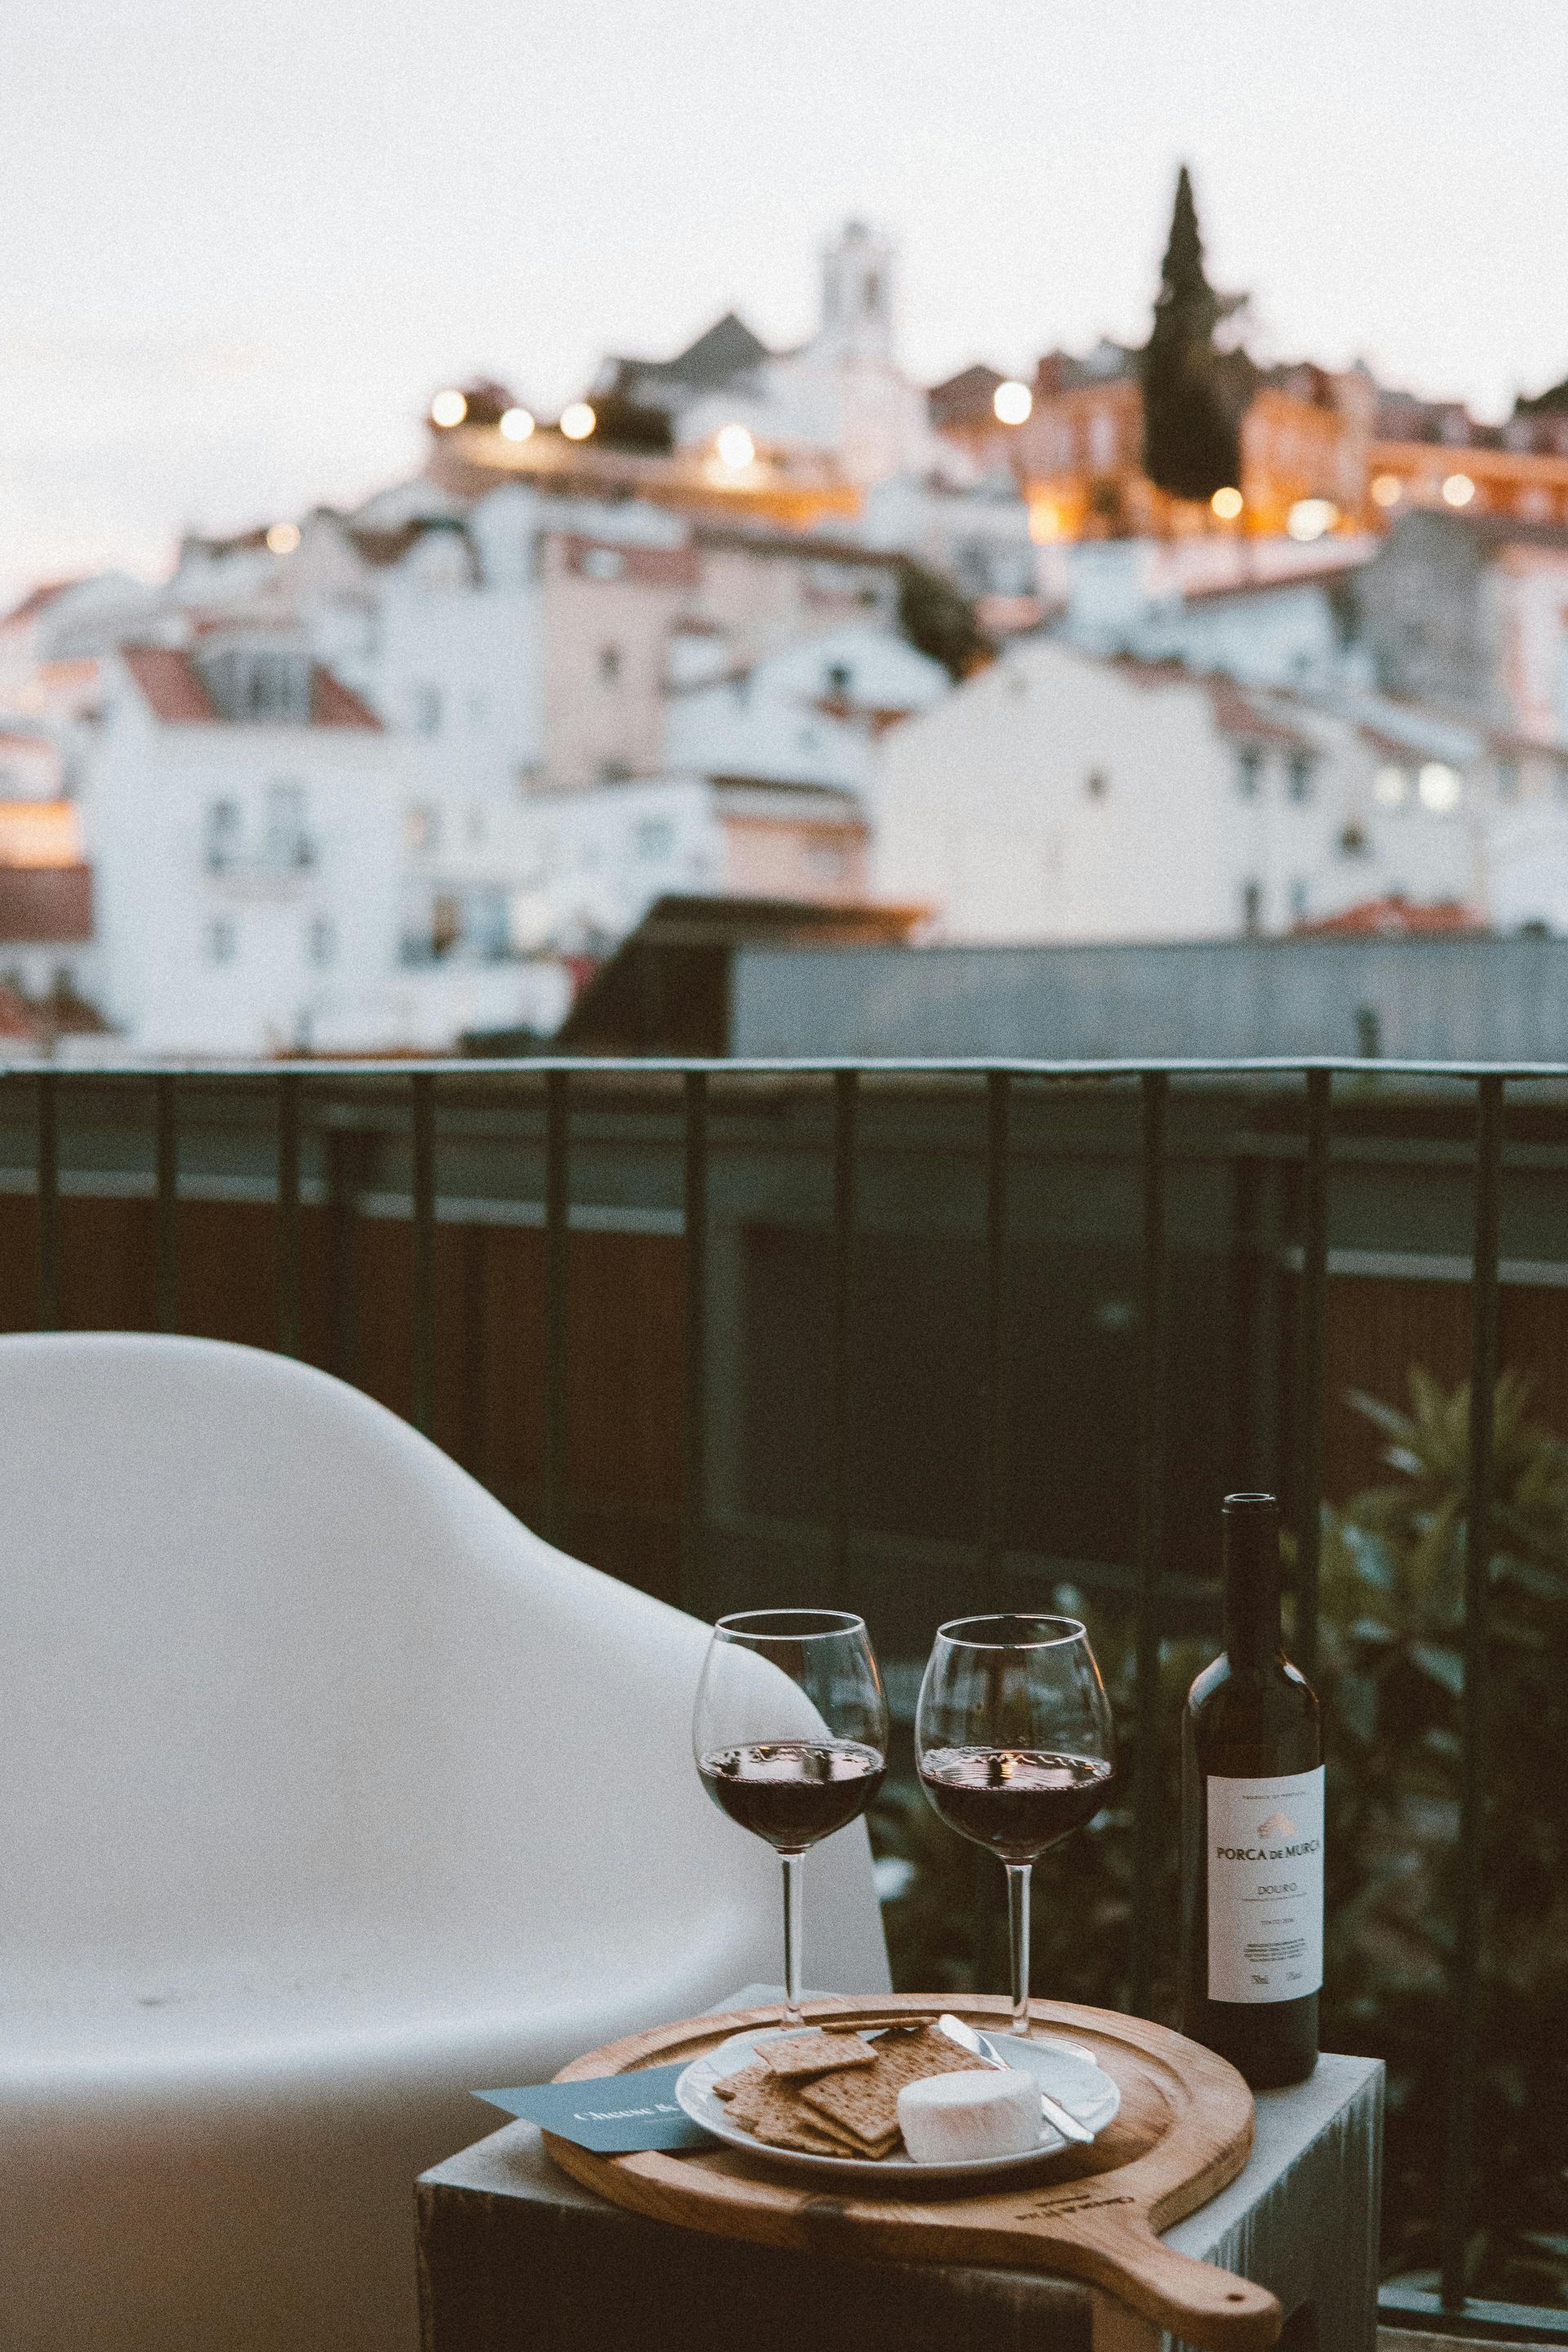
{"x":858,"y":294}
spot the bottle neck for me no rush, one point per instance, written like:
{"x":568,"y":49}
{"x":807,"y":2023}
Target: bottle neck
{"x":1252,"y":1586}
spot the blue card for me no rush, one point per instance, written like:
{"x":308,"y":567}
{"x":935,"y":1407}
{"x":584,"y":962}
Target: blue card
{"x":615,"y":2114}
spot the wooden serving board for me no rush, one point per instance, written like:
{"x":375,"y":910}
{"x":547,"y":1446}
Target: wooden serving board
{"x":1185,"y":2130}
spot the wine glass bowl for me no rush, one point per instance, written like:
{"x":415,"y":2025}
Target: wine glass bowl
{"x":1014,"y":1747}
{"x":790,"y":1734}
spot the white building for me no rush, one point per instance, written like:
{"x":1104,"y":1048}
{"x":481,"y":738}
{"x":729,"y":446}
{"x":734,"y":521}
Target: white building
{"x":1062,"y":796}
{"x":760,"y":791}
{"x":841,"y":393}
{"x":245,"y":816}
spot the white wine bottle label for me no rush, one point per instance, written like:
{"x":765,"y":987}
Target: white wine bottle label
{"x":1265,"y":1887}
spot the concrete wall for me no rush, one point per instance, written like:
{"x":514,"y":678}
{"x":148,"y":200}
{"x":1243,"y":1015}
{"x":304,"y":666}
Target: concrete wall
{"x":1483,"y":999}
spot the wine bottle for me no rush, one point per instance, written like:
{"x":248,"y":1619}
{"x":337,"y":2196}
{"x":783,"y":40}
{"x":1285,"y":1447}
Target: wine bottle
{"x":1252,"y":1827}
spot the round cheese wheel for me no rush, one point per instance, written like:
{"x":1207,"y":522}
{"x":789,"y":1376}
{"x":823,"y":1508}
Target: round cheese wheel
{"x":984,"y":2111}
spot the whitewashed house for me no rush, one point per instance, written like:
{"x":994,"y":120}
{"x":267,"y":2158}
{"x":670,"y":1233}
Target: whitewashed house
{"x":1061,"y":796}
{"x":246,"y":818}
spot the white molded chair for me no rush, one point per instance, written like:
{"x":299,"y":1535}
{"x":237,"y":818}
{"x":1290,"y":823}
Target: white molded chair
{"x":328,"y":1794}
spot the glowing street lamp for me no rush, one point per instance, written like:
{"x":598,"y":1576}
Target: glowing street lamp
{"x":736,"y":448}
{"x":1387,"y":489}
{"x":1311,"y":518}
{"x":283,"y":538}
{"x":1458,"y":490}
{"x":448,"y":408}
{"x":578,"y":421}
{"x":516,"y":423}
{"x":1226,"y":503}
{"x":1012,"y":401}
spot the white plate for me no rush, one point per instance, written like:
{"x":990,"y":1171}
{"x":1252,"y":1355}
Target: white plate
{"x":1065,"y":2069}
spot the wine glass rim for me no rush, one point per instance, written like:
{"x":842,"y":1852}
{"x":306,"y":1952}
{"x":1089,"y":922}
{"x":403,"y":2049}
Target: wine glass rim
{"x":790,"y":1624}
{"x":957,"y":1631}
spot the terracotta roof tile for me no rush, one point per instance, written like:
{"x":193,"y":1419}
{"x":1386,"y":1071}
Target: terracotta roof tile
{"x":170,"y":684}
{"x":333,"y":704}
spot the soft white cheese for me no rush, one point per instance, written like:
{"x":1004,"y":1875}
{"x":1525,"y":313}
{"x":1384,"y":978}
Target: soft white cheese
{"x":984,"y":2111}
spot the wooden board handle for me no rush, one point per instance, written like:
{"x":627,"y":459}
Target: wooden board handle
{"x":1197,"y":2302}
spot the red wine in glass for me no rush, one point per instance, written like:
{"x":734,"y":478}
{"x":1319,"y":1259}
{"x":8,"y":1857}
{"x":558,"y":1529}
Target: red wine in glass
{"x":793,"y":1792}
{"x":790,"y":1736}
{"x":1017,"y":1801}
{"x":1014,"y":1746}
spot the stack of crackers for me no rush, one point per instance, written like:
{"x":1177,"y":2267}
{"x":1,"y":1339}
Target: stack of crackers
{"x":829,"y":2092}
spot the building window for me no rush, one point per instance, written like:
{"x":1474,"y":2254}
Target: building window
{"x":287,"y":843}
{"x":1248,"y":770}
{"x":1097,"y":783}
{"x":1298,"y":902}
{"x":1353,"y":841}
{"x":654,"y":838}
{"x":426,"y":705}
{"x":609,"y":665}
{"x":322,"y":944}
{"x":1252,"y":909}
{"x":1299,"y":775}
{"x":223,"y":825}
{"x":222,"y":945}
{"x":445,"y":923}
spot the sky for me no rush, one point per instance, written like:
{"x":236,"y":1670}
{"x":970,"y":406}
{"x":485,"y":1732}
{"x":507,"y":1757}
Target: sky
{"x":241,"y":245}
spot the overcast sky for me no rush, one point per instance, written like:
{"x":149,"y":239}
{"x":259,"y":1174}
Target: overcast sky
{"x":241,"y":241}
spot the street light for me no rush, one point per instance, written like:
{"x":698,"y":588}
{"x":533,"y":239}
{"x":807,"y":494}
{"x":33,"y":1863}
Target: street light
{"x":1012,"y":401}
{"x":578,"y":421}
{"x":448,"y":408}
{"x":516,"y":423}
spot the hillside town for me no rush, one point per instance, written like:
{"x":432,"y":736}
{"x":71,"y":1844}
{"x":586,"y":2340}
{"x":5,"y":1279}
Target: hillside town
{"x":1163,"y":645}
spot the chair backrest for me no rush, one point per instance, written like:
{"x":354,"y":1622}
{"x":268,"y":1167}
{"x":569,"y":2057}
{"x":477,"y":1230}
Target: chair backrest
{"x":277,"y":1677}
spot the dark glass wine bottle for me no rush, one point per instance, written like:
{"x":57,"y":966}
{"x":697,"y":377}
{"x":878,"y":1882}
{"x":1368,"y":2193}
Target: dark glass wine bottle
{"x":1252,"y":1827}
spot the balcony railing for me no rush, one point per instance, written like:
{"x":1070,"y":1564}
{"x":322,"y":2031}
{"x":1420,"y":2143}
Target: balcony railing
{"x":404,"y":1141}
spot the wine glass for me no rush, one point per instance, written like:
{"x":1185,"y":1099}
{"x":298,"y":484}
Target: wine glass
{"x":1014,"y":1745}
{"x":789,"y":1732}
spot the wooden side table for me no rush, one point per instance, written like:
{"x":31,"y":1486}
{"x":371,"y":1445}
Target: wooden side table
{"x":514,"y":2257}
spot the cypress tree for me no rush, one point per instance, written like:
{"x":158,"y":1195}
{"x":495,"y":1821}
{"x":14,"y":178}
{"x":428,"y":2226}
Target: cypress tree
{"x":1191,"y":415}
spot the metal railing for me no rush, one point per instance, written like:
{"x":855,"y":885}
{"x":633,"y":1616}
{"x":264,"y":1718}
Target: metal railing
{"x":698,"y":1085}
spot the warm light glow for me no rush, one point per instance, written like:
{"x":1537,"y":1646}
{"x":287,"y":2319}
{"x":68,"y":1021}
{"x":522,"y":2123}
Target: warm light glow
{"x":1389,"y":786}
{"x":578,"y":421}
{"x":1458,"y":490}
{"x":1228,"y":504}
{"x":1438,"y":786}
{"x":1311,"y":518}
{"x":1012,"y":401}
{"x":736,"y":448}
{"x":1045,"y":522}
{"x":1386,"y":489}
{"x":448,"y":408}
{"x":516,"y":423}
{"x":283,"y":538}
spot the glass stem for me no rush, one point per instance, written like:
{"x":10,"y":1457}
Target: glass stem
{"x":1018,"y":1937}
{"x":793,"y":1863}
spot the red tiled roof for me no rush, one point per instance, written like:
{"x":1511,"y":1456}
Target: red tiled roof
{"x":1236,"y":713}
{"x":1384,"y":917}
{"x":170,"y":683}
{"x":173,"y":688}
{"x":45,"y":903}
{"x":333,"y":704}
{"x":35,"y":600}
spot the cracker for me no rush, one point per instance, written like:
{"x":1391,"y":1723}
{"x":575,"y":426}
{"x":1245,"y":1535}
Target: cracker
{"x":745,"y":2077}
{"x":776,"y":2115}
{"x":806,"y":2054}
{"x":865,"y":2103}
